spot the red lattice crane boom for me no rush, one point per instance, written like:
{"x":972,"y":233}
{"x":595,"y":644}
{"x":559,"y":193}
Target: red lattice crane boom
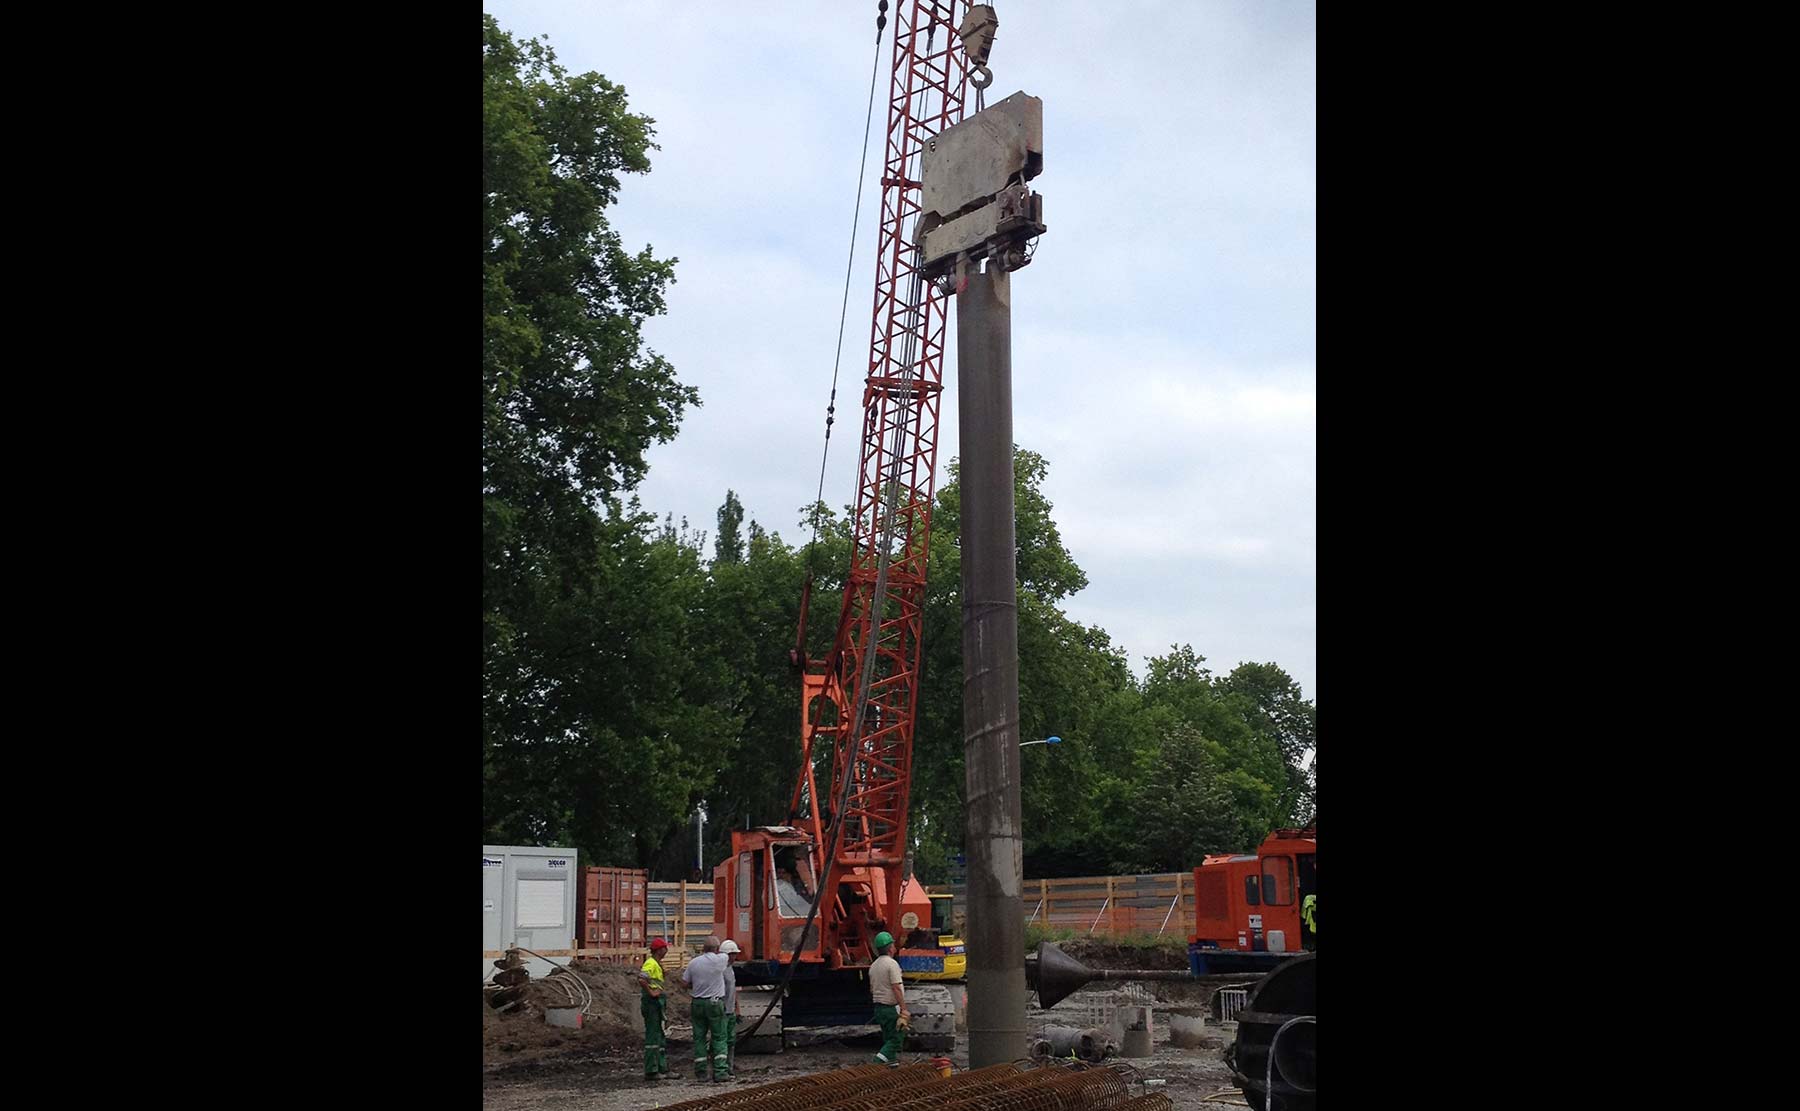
{"x":902,"y":393}
{"x":810,"y":896}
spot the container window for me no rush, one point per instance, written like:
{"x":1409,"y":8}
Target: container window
{"x":1278,"y":881}
{"x":1250,"y":891}
{"x":540,"y":904}
{"x":746,"y":877}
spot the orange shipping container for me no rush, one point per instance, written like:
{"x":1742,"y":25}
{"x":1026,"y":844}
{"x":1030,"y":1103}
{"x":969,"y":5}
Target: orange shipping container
{"x":612,"y":906}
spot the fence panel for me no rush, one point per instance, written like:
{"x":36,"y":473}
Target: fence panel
{"x":1161,"y":904}
{"x":681,"y":912}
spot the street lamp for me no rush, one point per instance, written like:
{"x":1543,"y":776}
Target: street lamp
{"x":1045,"y":741}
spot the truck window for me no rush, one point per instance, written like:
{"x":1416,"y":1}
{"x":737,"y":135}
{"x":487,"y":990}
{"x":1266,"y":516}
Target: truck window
{"x":746,"y":874}
{"x":1250,"y":891}
{"x":1278,"y":881}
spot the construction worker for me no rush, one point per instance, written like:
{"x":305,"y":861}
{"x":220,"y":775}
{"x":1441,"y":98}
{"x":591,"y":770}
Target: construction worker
{"x":793,"y":901}
{"x":731,"y":951}
{"x":889,"y":998}
{"x":1309,"y":914}
{"x":650,"y":1005}
{"x":706,"y":975}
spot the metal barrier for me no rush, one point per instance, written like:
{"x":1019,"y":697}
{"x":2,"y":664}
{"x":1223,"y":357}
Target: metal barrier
{"x":1231,"y":1001}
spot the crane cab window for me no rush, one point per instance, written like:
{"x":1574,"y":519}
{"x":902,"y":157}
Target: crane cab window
{"x":1278,"y":881}
{"x":745,"y":877}
{"x":940,"y":914}
{"x":793,"y":891}
{"x":1250,"y":891}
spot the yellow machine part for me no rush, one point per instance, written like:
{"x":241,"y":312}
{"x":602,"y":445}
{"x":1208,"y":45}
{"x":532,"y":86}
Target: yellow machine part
{"x":956,"y":962}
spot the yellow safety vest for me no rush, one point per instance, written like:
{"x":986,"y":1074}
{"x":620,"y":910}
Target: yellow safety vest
{"x":1309,"y":911}
{"x":654,"y":971}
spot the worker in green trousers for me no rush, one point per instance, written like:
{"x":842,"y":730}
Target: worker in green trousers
{"x":650,"y":1005}
{"x":889,"y":997}
{"x":732,"y":953}
{"x":705,"y":975}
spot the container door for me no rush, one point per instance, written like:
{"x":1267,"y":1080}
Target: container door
{"x":542,"y":904}
{"x":1281,"y":903}
{"x":493,"y":870}
{"x":1309,"y":885}
{"x":746,"y":910}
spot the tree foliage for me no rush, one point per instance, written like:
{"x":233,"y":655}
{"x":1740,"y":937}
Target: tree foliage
{"x":587,"y":669}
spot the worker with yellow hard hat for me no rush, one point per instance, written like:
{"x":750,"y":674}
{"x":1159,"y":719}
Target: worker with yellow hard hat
{"x":650,"y":1005}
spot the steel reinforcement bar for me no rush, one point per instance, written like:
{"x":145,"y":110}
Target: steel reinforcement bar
{"x":815,"y":1090}
{"x":919,"y":1086}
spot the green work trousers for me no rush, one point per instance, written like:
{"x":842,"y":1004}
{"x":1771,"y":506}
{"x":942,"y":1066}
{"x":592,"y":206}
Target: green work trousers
{"x":652,"y":1010}
{"x":709,"y":1039}
{"x":887,"y":1016}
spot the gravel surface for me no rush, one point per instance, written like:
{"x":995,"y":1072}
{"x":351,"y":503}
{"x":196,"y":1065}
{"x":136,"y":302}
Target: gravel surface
{"x":608,"y":1073}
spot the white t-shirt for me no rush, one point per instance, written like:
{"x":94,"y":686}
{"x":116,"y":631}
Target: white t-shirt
{"x":884,"y":975}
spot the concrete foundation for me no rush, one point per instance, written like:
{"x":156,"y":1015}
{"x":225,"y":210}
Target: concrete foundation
{"x":1139,"y":1026}
{"x":563,"y":1016}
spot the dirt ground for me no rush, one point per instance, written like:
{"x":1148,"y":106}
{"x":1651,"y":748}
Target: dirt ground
{"x":529,"y":1065}
{"x":612,"y":1022}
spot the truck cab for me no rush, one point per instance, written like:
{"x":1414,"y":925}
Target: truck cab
{"x":1250,"y":902}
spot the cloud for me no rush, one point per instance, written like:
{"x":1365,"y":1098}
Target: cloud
{"x":1164,"y":338}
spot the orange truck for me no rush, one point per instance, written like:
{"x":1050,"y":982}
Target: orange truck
{"x":1247,"y":906}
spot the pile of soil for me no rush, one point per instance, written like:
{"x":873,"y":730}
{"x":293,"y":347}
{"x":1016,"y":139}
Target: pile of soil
{"x":611,"y":1024}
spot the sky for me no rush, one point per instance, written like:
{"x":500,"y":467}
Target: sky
{"x":1164,"y":341}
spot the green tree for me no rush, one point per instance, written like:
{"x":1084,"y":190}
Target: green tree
{"x":1067,"y":672}
{"x":1273,"y":706}
{"x":588,"y":681}
{"x":1184,"y":808}
{"x":728,"y":546}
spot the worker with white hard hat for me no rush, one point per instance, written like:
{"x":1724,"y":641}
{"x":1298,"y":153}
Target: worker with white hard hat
{"x":732,"y":953}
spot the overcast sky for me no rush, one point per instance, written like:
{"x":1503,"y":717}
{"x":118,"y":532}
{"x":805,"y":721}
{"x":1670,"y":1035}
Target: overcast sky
{"x":1164,"y":346}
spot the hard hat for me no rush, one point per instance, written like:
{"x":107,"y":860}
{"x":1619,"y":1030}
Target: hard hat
{"x":729,"y":946}
{"x":883,"y":940}
{"x":658,"y":943}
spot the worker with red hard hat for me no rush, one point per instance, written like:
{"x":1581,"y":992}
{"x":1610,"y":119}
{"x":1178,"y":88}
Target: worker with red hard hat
{"x":650,"y":1005}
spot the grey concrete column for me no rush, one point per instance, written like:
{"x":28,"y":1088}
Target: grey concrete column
{"x":995,"y":936}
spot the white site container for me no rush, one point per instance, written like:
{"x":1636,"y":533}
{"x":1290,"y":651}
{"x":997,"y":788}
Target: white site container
{"x":528,"y":899}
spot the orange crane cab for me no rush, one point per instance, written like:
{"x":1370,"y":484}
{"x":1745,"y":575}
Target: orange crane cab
{"x":762,"y":894}
{"x":1250,"y":903}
